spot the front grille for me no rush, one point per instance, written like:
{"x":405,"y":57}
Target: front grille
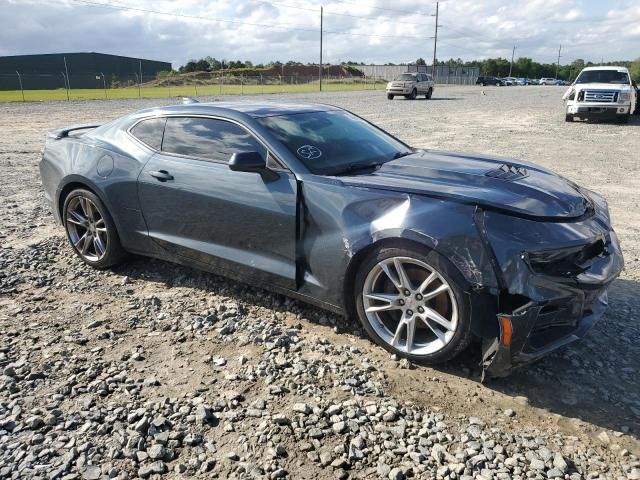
{"x":601,"y":96}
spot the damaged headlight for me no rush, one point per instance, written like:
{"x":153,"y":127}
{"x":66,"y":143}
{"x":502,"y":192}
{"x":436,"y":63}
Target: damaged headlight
{"x":565,"y":262}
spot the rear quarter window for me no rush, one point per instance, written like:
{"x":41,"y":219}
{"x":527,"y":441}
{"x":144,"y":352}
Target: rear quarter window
{"x":150,"y":132}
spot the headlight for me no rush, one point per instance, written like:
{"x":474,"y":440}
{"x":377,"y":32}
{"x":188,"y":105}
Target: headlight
{"x":624,"y":97}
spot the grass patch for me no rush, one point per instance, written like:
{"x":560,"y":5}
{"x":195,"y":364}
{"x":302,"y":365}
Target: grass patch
{"x":180,"y":91}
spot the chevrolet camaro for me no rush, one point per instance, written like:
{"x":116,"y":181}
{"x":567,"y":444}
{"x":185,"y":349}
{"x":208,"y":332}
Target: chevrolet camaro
{"x":429,"y":250}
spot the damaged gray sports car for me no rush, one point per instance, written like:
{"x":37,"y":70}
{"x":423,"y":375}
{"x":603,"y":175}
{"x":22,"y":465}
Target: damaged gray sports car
{"x":429,"y":250}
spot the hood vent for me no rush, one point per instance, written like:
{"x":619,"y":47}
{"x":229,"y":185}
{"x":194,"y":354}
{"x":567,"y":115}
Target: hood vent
{"x":508,"y":172}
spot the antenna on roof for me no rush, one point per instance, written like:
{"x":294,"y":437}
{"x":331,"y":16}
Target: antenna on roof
{"x":189,"y":100}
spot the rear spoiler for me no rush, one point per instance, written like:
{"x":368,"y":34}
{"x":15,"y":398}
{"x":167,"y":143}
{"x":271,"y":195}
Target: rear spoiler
{"x":64,"y":132}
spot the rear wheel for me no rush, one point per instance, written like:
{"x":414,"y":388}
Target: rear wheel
{"x":411,"y":303}
{"x":91,"y":230}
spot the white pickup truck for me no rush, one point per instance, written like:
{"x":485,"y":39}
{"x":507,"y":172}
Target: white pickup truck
{"x":601,"y":92}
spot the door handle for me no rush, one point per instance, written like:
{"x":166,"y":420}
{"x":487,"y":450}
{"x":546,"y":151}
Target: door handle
{"x":161,"y":175}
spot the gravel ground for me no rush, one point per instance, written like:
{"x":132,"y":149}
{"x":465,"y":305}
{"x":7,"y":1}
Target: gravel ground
{"x":155,"y":370}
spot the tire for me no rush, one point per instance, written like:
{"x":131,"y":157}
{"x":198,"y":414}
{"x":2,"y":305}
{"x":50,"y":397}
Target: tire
{"x":429,"y":94}
{"x":482,"y":83}
{"x":429,"y":346}
{"x":84,"y":213}
{"x":623,"y":118}
{"x":389,"y":96}
{"x":568,"y":118}
{"x":413,"y":95}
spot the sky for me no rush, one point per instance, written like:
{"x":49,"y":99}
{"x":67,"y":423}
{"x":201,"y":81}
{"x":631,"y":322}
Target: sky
{"x":371,"y":31}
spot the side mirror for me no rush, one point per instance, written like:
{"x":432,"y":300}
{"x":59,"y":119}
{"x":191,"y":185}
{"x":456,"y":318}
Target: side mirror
{"x":247,"y":162}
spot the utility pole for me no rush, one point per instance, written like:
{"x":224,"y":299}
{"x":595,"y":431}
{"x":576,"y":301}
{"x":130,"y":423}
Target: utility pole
{"x":558,"y":63}
{"x":320,"y":68}
{"x":435,"y":44}
{"x":512,"y":54}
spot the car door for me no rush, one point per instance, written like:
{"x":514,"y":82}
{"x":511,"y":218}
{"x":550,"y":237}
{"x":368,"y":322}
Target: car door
{"x":422,"y":84}
{"x":195,"y":207}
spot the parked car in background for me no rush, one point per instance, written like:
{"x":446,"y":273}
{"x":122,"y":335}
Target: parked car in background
{"x":509,"y":80}
{"x":427,"y":250}
{"x":410,"y":85}
{"x":489,"y":81}
{"x":534,"y":81}
{"x":601,"y":92}
{"x":547,"y":81}
{"x":522,"y":81}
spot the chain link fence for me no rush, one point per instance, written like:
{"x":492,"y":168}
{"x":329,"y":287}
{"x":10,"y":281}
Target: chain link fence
{"x":42,"y":87}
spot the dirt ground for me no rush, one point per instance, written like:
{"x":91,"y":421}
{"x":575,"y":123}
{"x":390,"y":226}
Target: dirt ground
{"x":590,"y":387}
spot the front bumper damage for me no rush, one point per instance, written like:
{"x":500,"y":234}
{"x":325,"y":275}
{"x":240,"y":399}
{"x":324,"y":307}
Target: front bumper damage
{"x":555,"y":285}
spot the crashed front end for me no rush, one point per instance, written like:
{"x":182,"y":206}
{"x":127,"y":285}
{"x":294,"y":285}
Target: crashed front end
{"x":553,"y":277}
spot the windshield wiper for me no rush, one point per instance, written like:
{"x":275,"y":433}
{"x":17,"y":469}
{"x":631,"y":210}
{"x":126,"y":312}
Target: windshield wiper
{"x":355,"y":167}
{"x":401,"y":154}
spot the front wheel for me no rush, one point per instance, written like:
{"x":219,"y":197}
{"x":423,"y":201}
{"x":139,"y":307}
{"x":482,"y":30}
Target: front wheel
{"x":568,"y":118}
{"x":91,"y":230}
{"x":623,"y":118}
{"x":411,"y":303}
{"x":389,"y":96}
{"x":429,"y":94}
{"x":413,"y":95}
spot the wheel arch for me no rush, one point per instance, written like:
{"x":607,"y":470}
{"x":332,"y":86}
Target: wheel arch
{"x":413,"y":241}
{"x":75,"y":182}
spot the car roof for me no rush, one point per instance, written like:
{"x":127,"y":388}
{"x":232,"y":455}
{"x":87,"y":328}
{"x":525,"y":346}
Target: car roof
{"x":607,"y":67}
{"x":251,"y":108}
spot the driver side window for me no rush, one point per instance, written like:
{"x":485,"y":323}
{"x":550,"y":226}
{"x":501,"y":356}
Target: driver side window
{"x":208,"y":139}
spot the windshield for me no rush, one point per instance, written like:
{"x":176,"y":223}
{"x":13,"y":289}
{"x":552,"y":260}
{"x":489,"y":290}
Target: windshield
{"x":406,"y":77}
{"x":603,"y":76}
{"x":332,"y":142}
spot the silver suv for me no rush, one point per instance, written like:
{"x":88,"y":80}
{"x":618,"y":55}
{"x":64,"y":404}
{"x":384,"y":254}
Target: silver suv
{"x":410,"y":85}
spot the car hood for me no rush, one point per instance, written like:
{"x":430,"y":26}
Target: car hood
{"x":602,"y":86}
{"x":519,"y":187}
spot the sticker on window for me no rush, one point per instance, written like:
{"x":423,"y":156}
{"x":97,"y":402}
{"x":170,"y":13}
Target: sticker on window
{"x":309,"y":152}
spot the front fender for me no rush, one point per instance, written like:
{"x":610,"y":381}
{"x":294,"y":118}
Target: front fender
{"x":341,"y":223}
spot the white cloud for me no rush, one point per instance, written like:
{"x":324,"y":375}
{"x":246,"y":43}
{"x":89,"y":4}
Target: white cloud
{"x":470,"y":29}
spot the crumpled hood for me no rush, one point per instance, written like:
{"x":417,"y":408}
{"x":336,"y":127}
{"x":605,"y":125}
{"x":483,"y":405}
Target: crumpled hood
{"x":501,"y":184}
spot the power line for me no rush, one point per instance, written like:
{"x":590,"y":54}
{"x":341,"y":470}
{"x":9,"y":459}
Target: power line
{"x":377,"y":19}
{"x":284,"y":26}
{"x":359,"y":17}
{"x":336,"y":14}
{"x":406,"y":12}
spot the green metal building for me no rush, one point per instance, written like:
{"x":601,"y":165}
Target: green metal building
{"x":82,"y":70}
